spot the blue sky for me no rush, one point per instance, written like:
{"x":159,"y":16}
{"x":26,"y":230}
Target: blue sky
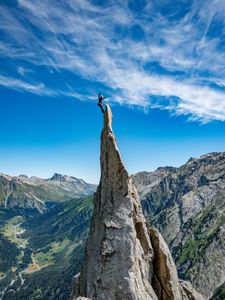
{"x":161,"y":65}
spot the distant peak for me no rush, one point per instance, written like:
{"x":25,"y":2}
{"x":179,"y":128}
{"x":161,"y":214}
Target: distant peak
{"x":58,"y":177}
{"x":23,"y":176}
{"x":191,"y":159}
{"x":166,"y":168}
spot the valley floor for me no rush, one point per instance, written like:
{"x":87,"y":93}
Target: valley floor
{"x":14,"y":278}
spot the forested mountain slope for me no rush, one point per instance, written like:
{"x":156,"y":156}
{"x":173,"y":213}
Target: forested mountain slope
{"x":39,"y":255}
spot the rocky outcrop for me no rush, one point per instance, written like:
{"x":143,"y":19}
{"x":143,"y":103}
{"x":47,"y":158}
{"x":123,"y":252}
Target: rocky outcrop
{"x":123,"y":259}
{"x":189,"y":291}
{"x":165,"y":280}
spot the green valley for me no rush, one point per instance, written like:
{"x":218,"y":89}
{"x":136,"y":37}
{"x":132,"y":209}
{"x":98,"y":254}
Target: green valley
{"x":42,"y":247}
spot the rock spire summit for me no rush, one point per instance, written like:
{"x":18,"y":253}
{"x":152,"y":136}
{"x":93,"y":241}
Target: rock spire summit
{"x":124,"y":260}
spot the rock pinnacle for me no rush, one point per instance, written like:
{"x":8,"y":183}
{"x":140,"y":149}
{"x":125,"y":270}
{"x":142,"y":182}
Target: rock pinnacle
{"x":124,"y":260}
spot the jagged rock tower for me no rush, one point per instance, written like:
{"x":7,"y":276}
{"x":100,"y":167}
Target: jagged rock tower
{"x":124,"y":260}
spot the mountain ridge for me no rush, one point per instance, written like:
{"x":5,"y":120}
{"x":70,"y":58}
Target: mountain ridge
{"x":187,"y":205}
{"x":34,"y":192}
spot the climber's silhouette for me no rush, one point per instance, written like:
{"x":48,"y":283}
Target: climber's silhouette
{"x":100,"y":99}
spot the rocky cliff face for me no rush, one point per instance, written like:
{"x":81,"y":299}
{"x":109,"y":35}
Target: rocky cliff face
{"x":187,"y":205}
{"x":124,"y":260}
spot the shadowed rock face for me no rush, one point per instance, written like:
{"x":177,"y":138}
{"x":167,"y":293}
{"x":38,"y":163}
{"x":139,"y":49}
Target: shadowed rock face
{"x":123,"y":260}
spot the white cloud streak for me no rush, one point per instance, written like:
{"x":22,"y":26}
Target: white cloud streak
{"x":99,"y":44}
{"x":38,"y":88}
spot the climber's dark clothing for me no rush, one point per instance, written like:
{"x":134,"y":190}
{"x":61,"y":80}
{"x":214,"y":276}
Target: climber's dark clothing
{"x":100,"y":99}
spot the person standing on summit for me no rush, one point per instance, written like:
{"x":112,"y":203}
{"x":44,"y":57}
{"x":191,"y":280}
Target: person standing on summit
{"x":100,"y":104}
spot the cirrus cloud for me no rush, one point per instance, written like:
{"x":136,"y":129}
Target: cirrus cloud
{"x":171,"y":59}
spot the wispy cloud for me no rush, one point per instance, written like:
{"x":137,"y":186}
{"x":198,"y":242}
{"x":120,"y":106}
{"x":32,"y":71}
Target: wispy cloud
{"x":143,"y":56}
{"x":36,"y":88}
{"x":23,"y":71}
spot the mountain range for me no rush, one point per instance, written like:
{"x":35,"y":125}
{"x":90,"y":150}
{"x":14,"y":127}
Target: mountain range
{"x":35,"y":192}
{"x":186,"y":204}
